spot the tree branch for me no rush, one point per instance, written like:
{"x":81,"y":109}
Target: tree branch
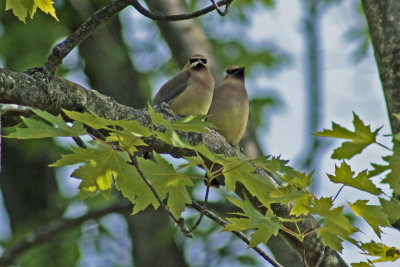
{"x":61,"y":50}
{"x":180,"y":222}
{"x":384,"y":28}
{"x":383,"y":21}
{"x":22,"y":89}
{"x":242,"y":236}
{"x":160,"y":17}
{"x":56,"y":228}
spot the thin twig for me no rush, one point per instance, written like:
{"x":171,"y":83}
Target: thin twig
{"x":382,"y":145}
{"x":50,"y":231}
{"x":321,"y":257}
{"x":204,"y":206}
{"x":222,"y":13}
{"x":160,"y":17}
{"x":242,"y":236}
{"x":180,"y":222}
{"x":79,"y":142}
{"x":61,"y":50}
{"x":337,"y":194}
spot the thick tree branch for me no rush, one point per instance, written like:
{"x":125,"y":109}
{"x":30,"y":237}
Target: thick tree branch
{"x":22,"y":89}
{"x":56,"y":228}
{"x":384,"y":28}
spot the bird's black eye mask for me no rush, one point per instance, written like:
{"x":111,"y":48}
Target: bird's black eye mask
{"x":203,"y":60}
{"x":231,"y":72}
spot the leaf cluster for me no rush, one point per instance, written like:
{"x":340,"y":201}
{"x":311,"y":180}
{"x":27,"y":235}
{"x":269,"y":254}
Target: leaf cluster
{"x":21,"y":8}
{"x":114,"y":161}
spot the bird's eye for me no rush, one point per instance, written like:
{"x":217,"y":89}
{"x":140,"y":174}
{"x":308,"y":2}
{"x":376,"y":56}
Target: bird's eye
{"x":230,"y":72}
{"x":203,"y":60}
{"x":192,"y":60}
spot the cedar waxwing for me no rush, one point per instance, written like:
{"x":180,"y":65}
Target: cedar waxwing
{"x":230,"y":106}
{"x":190,"y":91}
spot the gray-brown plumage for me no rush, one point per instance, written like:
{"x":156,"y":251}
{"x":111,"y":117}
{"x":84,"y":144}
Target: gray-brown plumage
{"x":189,"y":92}
{"x":230,"y":106}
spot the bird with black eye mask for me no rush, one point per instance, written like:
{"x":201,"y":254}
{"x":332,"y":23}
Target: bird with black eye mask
{"x":189,"y":92}
{"x":229,"y":108}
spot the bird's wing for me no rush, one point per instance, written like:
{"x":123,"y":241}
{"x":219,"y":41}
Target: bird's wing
{"x":171,"y":89}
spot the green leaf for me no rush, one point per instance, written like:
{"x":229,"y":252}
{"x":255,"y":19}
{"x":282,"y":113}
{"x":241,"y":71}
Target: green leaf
{"x":191,"y":124}
{"x":132,"y":186}
{"x":167,"y":181}
{"x":378,"y":169}
{"x":362,"y":264}
{"x":360,"y":138}
{"x":382,"y":251}
{"x":126,"y":140}
{"x":35,"y":127}
{"x":214,"y":157}
{"x":391,"y":209}
{"x":29,"y":5}
{"x":301,"y":198}
{"x":344,"y":175}
{"x":238,"y":171}
{"x":18,"y":9}
{"x":373,"y":215}
{"x":102,"y":163}
{"x":96,"y":122}
{"x":336,"y":226}
{"x":284,"y":172}
{"x":265,"y":225}
{"x":158,"y":118}
{"x":392,"y":178}
{"x":238,"y":224}
{"x":47,"y":7}
{"x":192,"y":161}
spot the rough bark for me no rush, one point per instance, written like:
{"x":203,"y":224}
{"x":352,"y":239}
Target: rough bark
{"x":384,"y":28}
{"x":383,"y":18}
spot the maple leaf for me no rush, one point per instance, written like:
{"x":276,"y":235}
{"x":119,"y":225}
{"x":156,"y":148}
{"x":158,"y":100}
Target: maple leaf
{"x":101,"y":165}
{"x":360,"y":138}
{"x":265,"y":225}
{"x":284,"y":172}
{"x":336,"y":226}
{"x":373,"y":215}
{"x":167,"y":181}
{"x":236,"y":171}
{"x":344,"y":175}
{"x":43,"y":126}
{"x":382,"y":251}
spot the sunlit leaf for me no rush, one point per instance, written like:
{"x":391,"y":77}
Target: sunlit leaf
{"x":101,"y":165}
{"x":373,"y":215}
